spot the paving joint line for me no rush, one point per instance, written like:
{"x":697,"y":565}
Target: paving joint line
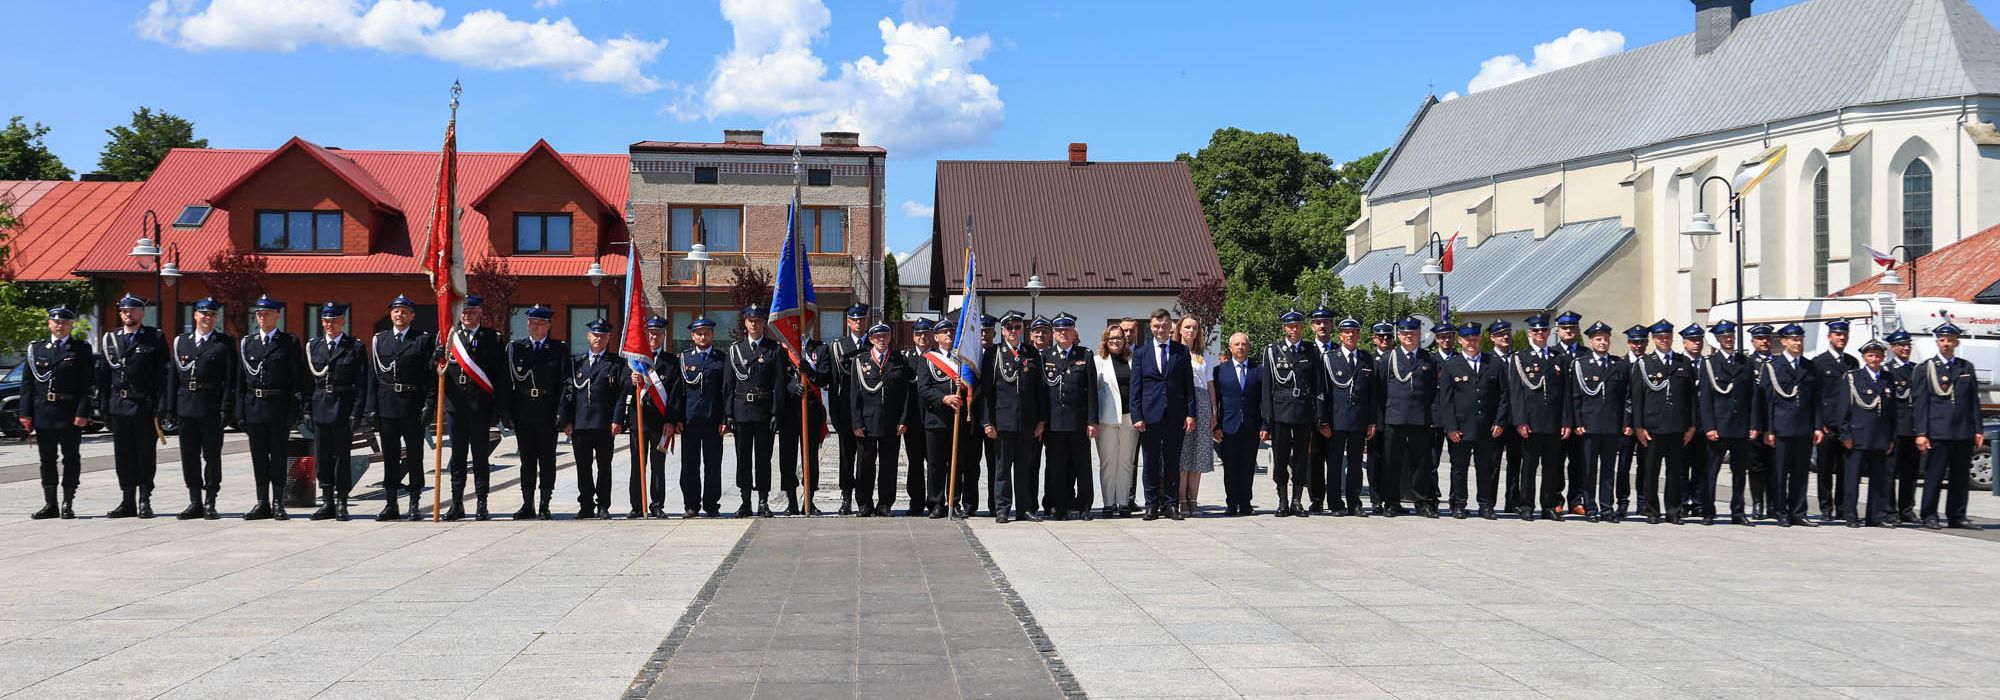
{"x":1051,"y":661}
{"x":649,"y":674}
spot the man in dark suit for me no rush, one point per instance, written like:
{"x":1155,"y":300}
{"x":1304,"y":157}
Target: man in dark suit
{"x":405,"y":391}
{"x":1408,"y":378}
{"x":849,"y":345}
{"x":1948,"y":429}
{"x":538,"y":367}
{"x":949,"y":426}
{"x":1069,"y":392}
{"x":341,"y":372}
{"x":753,"y":385}
{"x":1538,"y":405}
{"x":1907,"y":459}
{"x":132,"y":384}
{"x":651,"y":414}
{"x":592,"y":415}
{"x":878,"y":382}
{"x":699,"y":414}
{"x":1350,"y":386}
{"x":1571,"y":344}
{"x":1010,"y":411}
{"x":1727,"y":386}
{"x":1832,"y":366}
{"x":1472,"y":395}
{"x":1600,"y":420}
{"x":1162,"y":398}
{"x":914,"y":450}
{"x":1290,"y":406}
{"x":1239,"y":389}
{"x":55,"y":405}
{"x":204,"y":394}
{"x":1789,"y":420}
{"x":1866,"y":417}
{"x":819,"y":370}
{"x":475,"y":378}
{"x":1663,"y":419}
{"x":275,"y":384}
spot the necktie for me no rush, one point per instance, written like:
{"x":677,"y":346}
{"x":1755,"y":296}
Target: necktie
{"x":1160,"y":360}
{"x":1239,"y":374}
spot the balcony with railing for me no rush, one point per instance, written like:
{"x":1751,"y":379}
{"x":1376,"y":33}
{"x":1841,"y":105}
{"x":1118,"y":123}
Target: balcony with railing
{"x":836,"y":270}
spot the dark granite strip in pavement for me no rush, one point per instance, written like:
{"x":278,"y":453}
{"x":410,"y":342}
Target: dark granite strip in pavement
{"x":852,"y":608}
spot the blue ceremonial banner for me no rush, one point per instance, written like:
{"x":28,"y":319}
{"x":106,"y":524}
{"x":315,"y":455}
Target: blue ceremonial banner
{"x":794,"y":306}
{"x":967,"y":346}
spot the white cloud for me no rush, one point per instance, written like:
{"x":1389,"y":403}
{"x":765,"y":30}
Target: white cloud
{"x":1449,"y":96}
{"x":921,"y":95}
{"x":482,"y":38}
{"x":1568,"y":50}
{"x":917,"y":210}
{"x":546,"y":4}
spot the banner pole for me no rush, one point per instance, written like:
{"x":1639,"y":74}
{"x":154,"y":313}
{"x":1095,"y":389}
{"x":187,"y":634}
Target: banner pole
{"x":951,"y":481}
{"x":640,"y":447}
{"x":437,"y":439}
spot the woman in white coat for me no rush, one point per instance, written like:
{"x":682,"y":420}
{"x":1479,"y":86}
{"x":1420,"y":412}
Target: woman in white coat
{"x":1117,"y":442}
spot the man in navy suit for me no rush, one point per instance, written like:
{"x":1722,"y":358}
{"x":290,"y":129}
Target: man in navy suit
{"x":1238,"y":385}
{"x":1162,"y":396}
{"x":1788,"y":418}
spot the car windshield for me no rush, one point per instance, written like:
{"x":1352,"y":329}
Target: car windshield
{"x":13,"y":375}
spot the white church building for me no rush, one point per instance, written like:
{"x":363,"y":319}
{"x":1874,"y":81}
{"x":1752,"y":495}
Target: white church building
{"x":1571,"y":189}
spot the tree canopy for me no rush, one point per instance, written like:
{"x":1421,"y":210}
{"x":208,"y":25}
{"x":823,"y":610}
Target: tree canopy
{"x":135,"y":150}
{"x":23,"y":156}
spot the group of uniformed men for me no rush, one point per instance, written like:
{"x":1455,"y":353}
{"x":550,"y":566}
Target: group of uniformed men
{"x":1566,"y":409}
{"x":1589,"y":421}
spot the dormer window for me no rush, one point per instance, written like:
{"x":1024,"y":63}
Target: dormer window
{"x":541,"y":233}
{"x":298,"y":231}
{"x":191,"y":216}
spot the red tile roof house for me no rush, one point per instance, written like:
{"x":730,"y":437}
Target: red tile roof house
{"x":56,"y":223}
{"x":349,"y":226}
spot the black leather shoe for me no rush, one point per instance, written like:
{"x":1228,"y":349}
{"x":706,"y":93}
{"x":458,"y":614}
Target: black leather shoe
{"x":125,"y":509}
{"x":1317,"y":507}
{"x":603,"y":512}
{"x":479,"y":511}
{"x":1653,"y":518}
{"x":846,"y":504}
{"x":48,"y":511}
{"x":1708,"y":519}
{"x":208,"y":511}
{"x":1592,"y":518}
{"x":1738,"y":519}
{"x":326,"y":510}
{"x":1459,"y":513}
{"x":1854,"y":523}
{"x":1783,"y":521}
{"x":1909,"y":517}
{"x":1152,"y":514}
{"x":656,"y":512}
{"x":1175,"y":514}
{"x":1965,"y":525}
{"x":1552,"y":514}
{"x":415,"y":510}
{"x":527,"y":511}
{"x":456,"y":513}
{"x":1674,"y":518}
{"x":68,"y":511}
{"x":1357,"y":512}
{"x":1430,"y":512}
{"x":145,"y":506}
{"x":586,"y":513}
{"x":635,"y":514}
{"x":1932,"y":524}
{"x":1891,"y":525}
{"x":261,"y":511}
{"x":1805,"y":522}
{"x":389,"y":512}
{"x":936,"y":514}
{"x":763,"y":508}
{"x":1082,"y":514}
{"x":1486,"y":513}
{"x":192,"y":512}
{"x":278,"y":510}
{"x":1030,"y":516}
{"x":1390,"y":512}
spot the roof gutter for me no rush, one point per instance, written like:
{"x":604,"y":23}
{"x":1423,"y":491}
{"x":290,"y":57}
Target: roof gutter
{"x":1368,"y":190}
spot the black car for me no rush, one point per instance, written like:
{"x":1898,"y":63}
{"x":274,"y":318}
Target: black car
{"x":10,"y":406}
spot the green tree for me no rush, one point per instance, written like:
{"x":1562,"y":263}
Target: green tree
{"x":23,"y":156}
{"x":24,"y":308}
{"x":135,"y":150}
{"x":892,"y":289}
{"x":1251,"y":185}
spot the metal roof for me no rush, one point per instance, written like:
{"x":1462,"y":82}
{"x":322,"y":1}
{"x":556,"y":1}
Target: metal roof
{"x":1963,"y":270}
{"x":1507,"y":272}
{"x":1809,"y":58}
{"x":769,"y":148}
{"x":406,"y":179}
{"x":1097,"y":226}
{"x":913,"y":269}
{"x":57,"y":223}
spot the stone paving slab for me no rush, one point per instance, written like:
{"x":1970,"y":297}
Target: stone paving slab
{"x":849,"y":607}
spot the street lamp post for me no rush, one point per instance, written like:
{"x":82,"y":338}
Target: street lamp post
{"x":1035,"y":286}
{"x":1701,"y":227}
{"x":1891,"y":279}
{"x":147,"y":247}
{"x":698,"y":254}
{"x":1435,"y":271}
{"x":1396,"y":291}
{"x":596,"y":275}
{"x":170,"y":273}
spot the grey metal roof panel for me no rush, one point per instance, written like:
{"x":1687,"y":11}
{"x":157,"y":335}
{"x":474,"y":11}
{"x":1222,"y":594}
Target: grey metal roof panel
{"x":1808,"y":58}
{"x":1509,"y":271}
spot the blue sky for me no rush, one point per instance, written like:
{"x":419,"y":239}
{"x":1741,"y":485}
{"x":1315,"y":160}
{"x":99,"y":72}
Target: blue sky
{"x":930,"y":79}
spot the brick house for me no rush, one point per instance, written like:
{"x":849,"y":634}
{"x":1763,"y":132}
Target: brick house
{"x":740,"y":189}
{"x":345,"y":226}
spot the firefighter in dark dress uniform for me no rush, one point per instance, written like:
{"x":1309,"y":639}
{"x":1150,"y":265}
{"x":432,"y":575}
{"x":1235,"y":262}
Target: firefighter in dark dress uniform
{"x":55,"y":405}
{"x":1663,"y":419}
{"x":1293,"y":413}
{"x":1762,"y":336}
{"x":697,"y":415}
{"x":819,"y":372}
{"x":1507,"y":450}
{"x":475,"y":381}
{"x":1408,"y":376}
{"x":878,"y":388}
{"x":1829,"y":465}
{"x":1382,"y":337}
{"x":1788,"y":418}
{"x":204,"y":369}
{"x":1350,"y":415}
{"x":538,"y":368}
{"x":1948,"y":429}
{"x":1866,"y":418}
{"x":914,"y":450}
{"x":592,"y":415}
{"x":1010,"y":412}
{"x":1318,"y":480}
{"x":1906,"y":458}
{"x":1069,"y":392}
{"x":1628,"y":448}
{"x":949,"y":423}
{"x":405,"y":392}
{"x":1539,"y":406}
{"x":756,"y":367}
{"x":275,"y":383}
{"x":1726,"y":386}
{"x":659,"y":430}
{"x":852,"y":341}
{"x":341,"y":383}
{"x":1601,"y":422}
{"x":131,"y":384}
{"x":1472,"y":400}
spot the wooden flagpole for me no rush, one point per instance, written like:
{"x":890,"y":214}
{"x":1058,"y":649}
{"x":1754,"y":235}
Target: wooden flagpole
{"x":444,"y":288}
{"x":639,"y":432}
{"x":799,"y":299}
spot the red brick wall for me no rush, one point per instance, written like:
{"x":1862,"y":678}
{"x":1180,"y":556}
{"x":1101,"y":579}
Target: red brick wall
{"x":368,"y":297}
{"x":544,"y":186}
{"x":295,"y":181}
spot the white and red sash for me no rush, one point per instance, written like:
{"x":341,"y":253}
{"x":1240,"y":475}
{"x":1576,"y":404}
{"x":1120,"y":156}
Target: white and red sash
{"x":463,"y":356}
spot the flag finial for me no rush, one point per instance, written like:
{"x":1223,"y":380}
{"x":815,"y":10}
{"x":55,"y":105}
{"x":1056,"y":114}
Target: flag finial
{"x":455,"y":90}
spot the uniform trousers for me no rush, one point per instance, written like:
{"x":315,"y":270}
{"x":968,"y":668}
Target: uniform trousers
{"x":267,"y":458}
{"x":850,"y":452}
{"x":1949,"y":465}
{"x":136,"y":450}
{"x":592,"y":447}
{"x":1017,"y":474}
{"x":1791,"y":464}
{"x":1069,"y":470}
{"x":1346,"y":454}
{"x":1741,"y":455}
{"x":535,"y":440}
{"x":1909,"y":463}
{"x":914,"y":452}
{"x":469,"y":435}
{"x":201,"y":453}
{"x":332,"y":445}
{"x":753,"y":456}
{"x":1402,"y":446}
{"x":1291,"y":455}
{"x":402,"y":454}
{"x":1873,"y":464}
{"x":701,"y":469}
{"x":1600,"y":458}
{"x":656,"y":467}
{"x":788,"y":459}
{"x":962,"y":486}
{"x":875,"y":471}
{"x":1830,"y":468}
{"x":67,"y":441}
{"x":1475,"y":450}
{"x":1664,"y":451}
{"x":1542,"y":454}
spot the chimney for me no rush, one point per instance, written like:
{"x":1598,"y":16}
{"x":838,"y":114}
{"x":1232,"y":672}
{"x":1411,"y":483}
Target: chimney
{"x":750,"y":136}
{"x":1714,"y":19}
{"x":839,"y":138}
{"x":1079,"y":154}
